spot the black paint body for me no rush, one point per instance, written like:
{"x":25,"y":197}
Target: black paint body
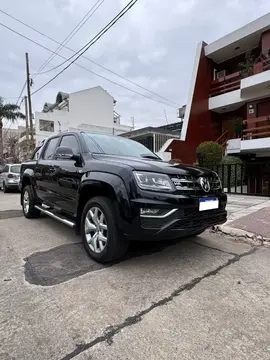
{"x":65,"y":184}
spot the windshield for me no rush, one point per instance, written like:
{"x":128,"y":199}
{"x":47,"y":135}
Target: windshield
{"x":15,"y":169}
{"x":116,"y":145}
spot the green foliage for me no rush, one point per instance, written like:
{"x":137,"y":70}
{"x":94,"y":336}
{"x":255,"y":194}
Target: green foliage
{"x":10,"y":112}
{"x":246,"y":66}
{"x":235,"y":170}
{"x":237,"y":124}
{"x":209,"y":153}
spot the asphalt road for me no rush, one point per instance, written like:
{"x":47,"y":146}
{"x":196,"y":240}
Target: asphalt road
{"x":203,"y":298}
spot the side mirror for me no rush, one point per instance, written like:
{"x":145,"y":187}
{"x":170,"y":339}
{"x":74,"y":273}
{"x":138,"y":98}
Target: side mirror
{"x":64,"y":152}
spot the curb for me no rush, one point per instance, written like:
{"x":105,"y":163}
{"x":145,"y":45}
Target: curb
{"x":243,"y":234}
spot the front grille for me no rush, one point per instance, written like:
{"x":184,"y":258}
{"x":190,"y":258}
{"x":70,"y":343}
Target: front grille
{"x":190,"y":185}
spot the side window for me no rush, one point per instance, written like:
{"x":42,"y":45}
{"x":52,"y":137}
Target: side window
{"x":6,"y":169}
{"x":50,"y":148}
{"x":70,"y":141}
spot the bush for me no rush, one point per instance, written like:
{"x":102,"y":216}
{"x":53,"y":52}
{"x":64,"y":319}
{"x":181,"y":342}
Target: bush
{"x":209,"y":153}
{"x":231,"y":160}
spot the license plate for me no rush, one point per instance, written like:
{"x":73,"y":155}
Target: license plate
{"x":208,"y":204}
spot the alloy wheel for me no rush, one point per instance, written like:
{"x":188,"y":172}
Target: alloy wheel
{"x":96,"y":230}
{"x":26,"y":202}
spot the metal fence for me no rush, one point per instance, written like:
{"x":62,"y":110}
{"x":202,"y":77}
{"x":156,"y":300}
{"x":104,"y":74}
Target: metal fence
{"x":249,"y":179}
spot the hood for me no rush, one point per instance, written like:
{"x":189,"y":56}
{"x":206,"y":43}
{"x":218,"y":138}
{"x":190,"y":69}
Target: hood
{"x":158,"y":166}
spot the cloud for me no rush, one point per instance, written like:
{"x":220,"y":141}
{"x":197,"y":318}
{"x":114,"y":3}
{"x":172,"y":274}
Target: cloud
{"x":152,"y":45}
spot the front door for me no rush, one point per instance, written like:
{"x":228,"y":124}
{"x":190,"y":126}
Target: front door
{"x":68,"y":175}
{"x":45,"y":173}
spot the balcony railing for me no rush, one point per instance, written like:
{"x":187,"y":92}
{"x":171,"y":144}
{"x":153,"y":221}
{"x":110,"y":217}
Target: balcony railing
{"x":228,"y":83}
{"x":232,"y":82}
{"x":257,"y":128}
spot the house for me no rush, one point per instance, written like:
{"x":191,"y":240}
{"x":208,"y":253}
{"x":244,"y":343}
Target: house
{"x":230,"y":79}
{"x":154,"y":138}
{"x":87,"y":110}
{"x":231,"y":83}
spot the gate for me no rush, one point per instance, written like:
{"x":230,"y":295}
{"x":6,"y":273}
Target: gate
{"x":252,"y":178}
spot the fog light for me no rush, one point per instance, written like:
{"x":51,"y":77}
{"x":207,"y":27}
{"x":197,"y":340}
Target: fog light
{"x":149,"y":211}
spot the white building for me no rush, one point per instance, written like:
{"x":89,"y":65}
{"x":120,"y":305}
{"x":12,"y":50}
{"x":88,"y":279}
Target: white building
{"x":87,"y":110}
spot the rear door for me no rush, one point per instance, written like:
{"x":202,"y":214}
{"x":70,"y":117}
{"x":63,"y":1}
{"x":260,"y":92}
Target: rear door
{"x":68,"y":175}
{"x":45,"y":172}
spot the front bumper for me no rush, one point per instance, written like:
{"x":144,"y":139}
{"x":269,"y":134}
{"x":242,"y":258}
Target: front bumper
{"x":183,"y":219}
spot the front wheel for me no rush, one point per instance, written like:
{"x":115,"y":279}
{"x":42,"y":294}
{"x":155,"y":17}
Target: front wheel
{"x":101,"y":237}
{"x":28,"y":203}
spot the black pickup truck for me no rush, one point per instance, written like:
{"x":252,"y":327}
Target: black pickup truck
{"x":113,"y":190}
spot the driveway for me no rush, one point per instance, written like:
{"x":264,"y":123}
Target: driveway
{"x":202,"y":298}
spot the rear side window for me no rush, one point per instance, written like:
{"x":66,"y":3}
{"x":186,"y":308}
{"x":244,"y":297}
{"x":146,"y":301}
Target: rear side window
{"x":15,"y":169}
{"x":50,"y":148}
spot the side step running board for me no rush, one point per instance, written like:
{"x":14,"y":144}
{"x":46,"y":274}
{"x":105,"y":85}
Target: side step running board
{"x":57,"y":217}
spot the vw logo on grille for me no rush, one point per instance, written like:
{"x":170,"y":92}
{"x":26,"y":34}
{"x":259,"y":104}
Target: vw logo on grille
{"x":204,"y":184}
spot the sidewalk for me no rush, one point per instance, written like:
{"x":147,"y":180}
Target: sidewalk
{"x":248,"y":216}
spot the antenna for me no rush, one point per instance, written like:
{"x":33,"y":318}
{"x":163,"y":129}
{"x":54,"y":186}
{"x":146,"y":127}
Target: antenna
{"x":166,"y":118}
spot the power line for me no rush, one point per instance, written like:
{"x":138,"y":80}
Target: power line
{"x":90,"y":43}
{"x":88,"y":15}
{"x":88,"y":59}
{"x":90,"y":71}
{"x":24,"y":85}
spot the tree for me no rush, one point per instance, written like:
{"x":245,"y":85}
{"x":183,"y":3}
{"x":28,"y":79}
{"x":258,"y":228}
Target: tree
{"x":9,"y":112}
{"x":209,"y":153}
{"x":11,"y":144}
{"x":246,"y":66}
{"x":237,"y":124}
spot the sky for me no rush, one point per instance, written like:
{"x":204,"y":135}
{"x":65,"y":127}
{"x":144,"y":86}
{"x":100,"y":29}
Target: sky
{"x":153,"y":45}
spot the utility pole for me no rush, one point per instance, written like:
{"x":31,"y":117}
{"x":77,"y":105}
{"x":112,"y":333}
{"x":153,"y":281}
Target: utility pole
{"x":28,"y":81}
{"x":133,"y":122}
{"x":26,"y":123}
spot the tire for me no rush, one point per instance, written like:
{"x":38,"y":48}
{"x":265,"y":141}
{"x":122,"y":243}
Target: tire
{"x":94,"y":230}
{"x":5,"y":189}
{"x":30,"y":212}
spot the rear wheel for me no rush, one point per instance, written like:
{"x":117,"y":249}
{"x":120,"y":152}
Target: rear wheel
{"x":101,"y":237}
{"x":28,"y":203}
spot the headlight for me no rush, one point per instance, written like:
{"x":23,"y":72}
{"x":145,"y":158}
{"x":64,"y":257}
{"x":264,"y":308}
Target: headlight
{"x":218,"y":180}
{"x":153,"y":181}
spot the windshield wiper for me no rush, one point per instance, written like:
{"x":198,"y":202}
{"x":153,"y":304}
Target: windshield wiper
{"x":149,"y":156}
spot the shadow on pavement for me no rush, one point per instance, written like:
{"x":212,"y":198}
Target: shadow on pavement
{"x":69,"y":261}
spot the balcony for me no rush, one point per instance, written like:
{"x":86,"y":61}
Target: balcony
{"x":236,"y":80}
{"x":257,"y":128}
{"x":228,"y":83}
{"x":255,"y":138}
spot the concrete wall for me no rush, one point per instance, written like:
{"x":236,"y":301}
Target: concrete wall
{"x":91,"y":106}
